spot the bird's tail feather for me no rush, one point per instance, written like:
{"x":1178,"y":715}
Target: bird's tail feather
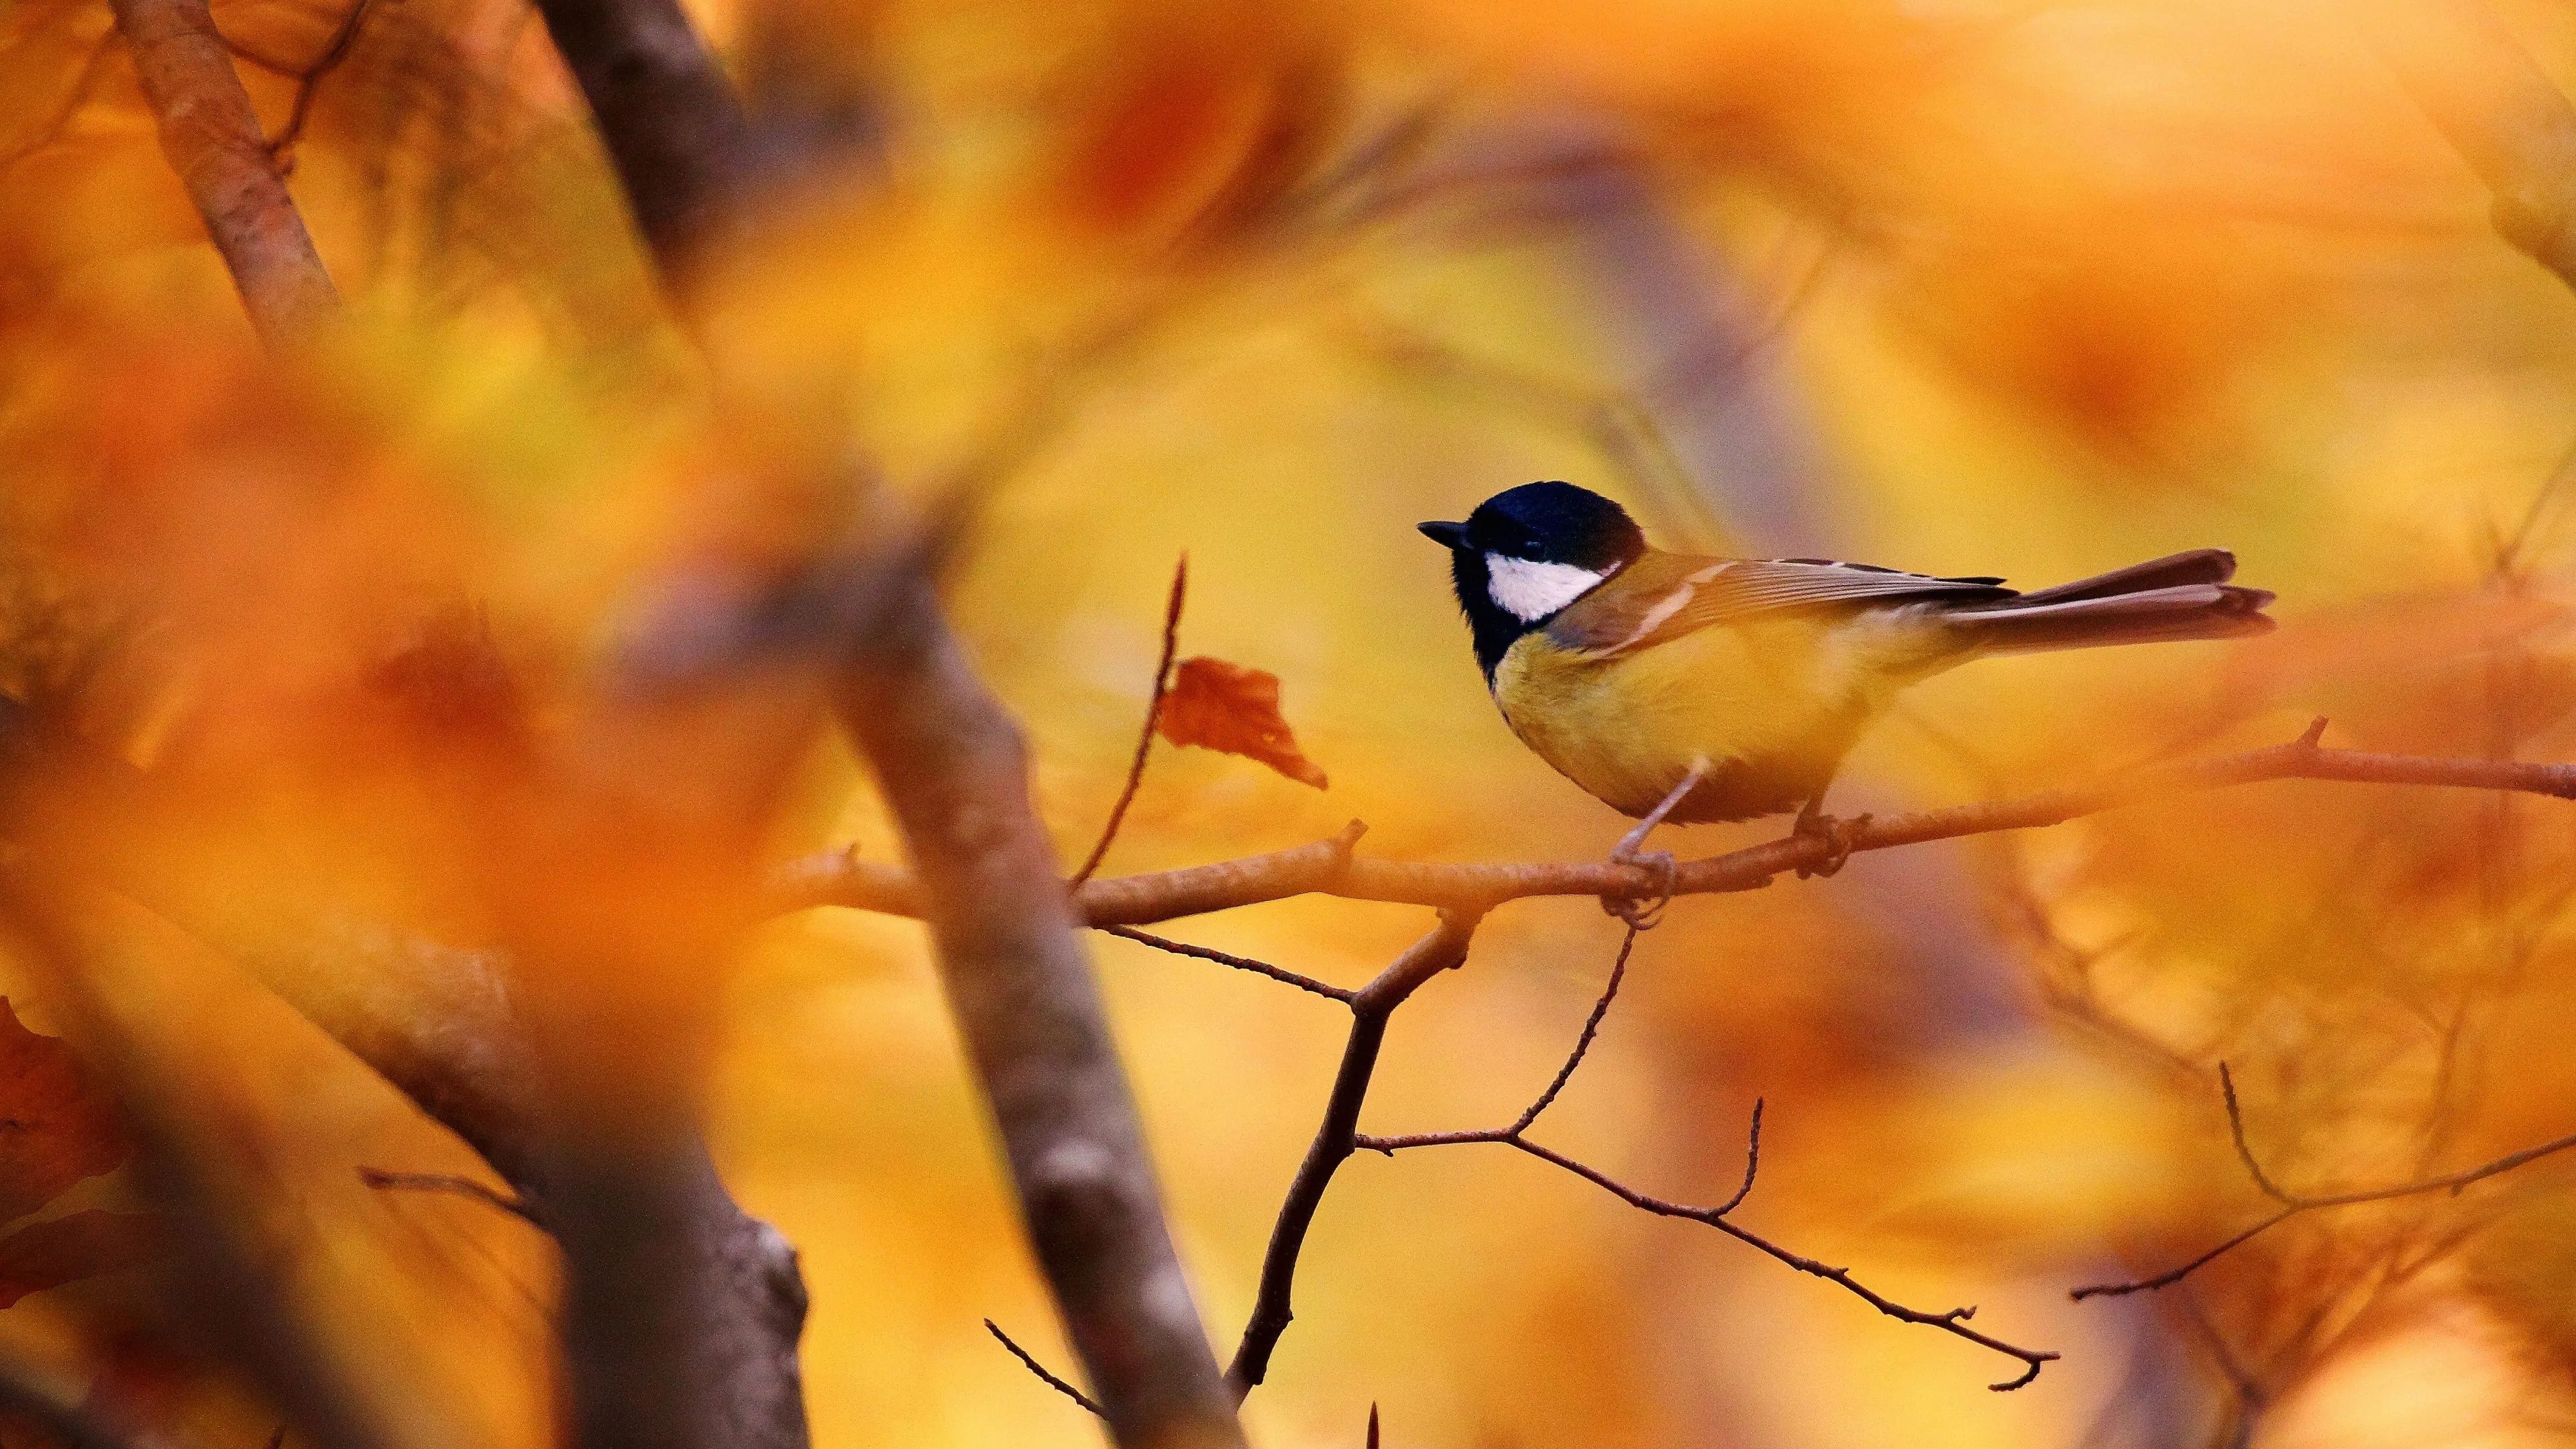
{"x":2198,"y":566}
{"x":2182,"y":597}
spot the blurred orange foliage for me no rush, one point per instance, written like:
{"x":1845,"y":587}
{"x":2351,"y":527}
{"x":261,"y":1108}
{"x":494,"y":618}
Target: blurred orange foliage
{"x":1965,"y":286}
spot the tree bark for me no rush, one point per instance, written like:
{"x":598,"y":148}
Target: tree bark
{"x":213,"y":141}
{"x":952,"y":766}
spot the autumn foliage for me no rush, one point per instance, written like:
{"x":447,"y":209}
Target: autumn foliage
{"x":490,"y":655}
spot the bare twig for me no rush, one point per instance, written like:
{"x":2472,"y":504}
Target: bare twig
{"x":1516,"y":1136}
{"x":1035,"y":1367}
{"x":212,"y":139}
{"x":308,"y":81}
{"x":2293,"y":1204}
{"x":1153,"y":718}
{"x":1330,"y":867}
{"x":449,"y":1182}
{"x":1240,"y":963}
{"x":1337,"y":1137}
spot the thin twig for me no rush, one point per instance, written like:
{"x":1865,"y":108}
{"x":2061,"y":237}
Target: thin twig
{"x":1515,"y":1136}
{"x":511,"y":1203}
{"x":2293,"y":1203}
{"x":1035,"y":1367}
{"x":1330,"y":868}
{"x":1582,"y":1043}
{"x":1144,"y":736}
{"x":309,"y":80}
{"x":1341,"y":994}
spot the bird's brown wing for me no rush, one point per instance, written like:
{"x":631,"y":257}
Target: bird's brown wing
{"x":1664,"y":596}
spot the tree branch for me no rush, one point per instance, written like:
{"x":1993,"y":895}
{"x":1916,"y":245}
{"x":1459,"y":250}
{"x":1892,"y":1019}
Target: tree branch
{"x":308,"y":82}
{"x":1337,"y":1137}
{"x":952,"y":766}
{"x":212,"y":139}
{"x":443,"y":1025}
{"x":675,"y":132}
{"x":1330,"y":868}
{"x":1239,"y":963}
{"x":2294,"y":1203}
{"x":1030,"y":1361}
{"x":1515,"y":1136}
{"x":1153,"y":718}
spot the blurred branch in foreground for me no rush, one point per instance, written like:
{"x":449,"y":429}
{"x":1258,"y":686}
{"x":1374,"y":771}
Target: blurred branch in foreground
{"x":2503,"y":114}
{"x":953,"y":767}
{"x":2295,"y":1203}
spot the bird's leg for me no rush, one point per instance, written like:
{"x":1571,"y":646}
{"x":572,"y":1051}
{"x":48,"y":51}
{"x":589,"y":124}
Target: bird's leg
{"x":1661,"y":861}
{"x":1837,"y":834}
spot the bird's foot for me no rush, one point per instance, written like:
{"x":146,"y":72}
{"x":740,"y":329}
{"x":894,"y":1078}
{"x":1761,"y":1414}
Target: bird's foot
{"x":1634,"y":910}
{"x":1837,"y":835}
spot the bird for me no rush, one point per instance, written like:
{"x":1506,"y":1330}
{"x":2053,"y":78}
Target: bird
{"x":1681,"y":688}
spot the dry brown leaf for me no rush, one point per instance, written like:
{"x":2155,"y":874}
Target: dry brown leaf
{"x":55,"y":1127}
{"x":1227,"y":707}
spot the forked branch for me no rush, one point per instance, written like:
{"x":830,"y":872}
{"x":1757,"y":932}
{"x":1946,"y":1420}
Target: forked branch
{"x":2294,"y":1203}
{"x":1953,"y":1321}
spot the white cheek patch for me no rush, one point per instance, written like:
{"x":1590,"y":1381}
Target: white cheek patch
{"x":1530,"y":591}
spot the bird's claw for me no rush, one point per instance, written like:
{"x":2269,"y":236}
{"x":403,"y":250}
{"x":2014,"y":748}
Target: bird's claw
{"x":1837,"y":835}
{"x":1633,"y":910}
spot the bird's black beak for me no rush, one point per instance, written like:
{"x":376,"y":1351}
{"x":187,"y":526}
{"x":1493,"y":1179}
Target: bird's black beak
{"x":1447,"y":535}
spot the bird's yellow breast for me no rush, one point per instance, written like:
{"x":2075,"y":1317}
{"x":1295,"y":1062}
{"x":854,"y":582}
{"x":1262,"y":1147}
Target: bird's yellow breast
{"x":1770,"y":705}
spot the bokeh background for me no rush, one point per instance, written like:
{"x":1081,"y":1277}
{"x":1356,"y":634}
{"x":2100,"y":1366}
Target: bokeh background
{"x":2028,"y":289}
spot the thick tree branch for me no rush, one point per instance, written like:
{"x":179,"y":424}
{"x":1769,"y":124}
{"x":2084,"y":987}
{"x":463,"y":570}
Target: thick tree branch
{"x":952,"y":766}
{"x":212,"y":139}
{"x":2295,"y":1203}
{"x":1330,"y":868}
{"x":674,"y":130}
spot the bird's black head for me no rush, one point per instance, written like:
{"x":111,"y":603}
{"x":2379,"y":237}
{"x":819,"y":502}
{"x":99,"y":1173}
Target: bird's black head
{"x":1528,"y":552}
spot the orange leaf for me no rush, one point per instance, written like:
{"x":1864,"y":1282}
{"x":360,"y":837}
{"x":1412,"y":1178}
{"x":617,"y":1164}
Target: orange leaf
{"x":72,"y":1247}
{"x":1227,"y":707}
{"x":55,"y":1127}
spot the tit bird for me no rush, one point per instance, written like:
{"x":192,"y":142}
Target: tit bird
{"x":1684,"y":688}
